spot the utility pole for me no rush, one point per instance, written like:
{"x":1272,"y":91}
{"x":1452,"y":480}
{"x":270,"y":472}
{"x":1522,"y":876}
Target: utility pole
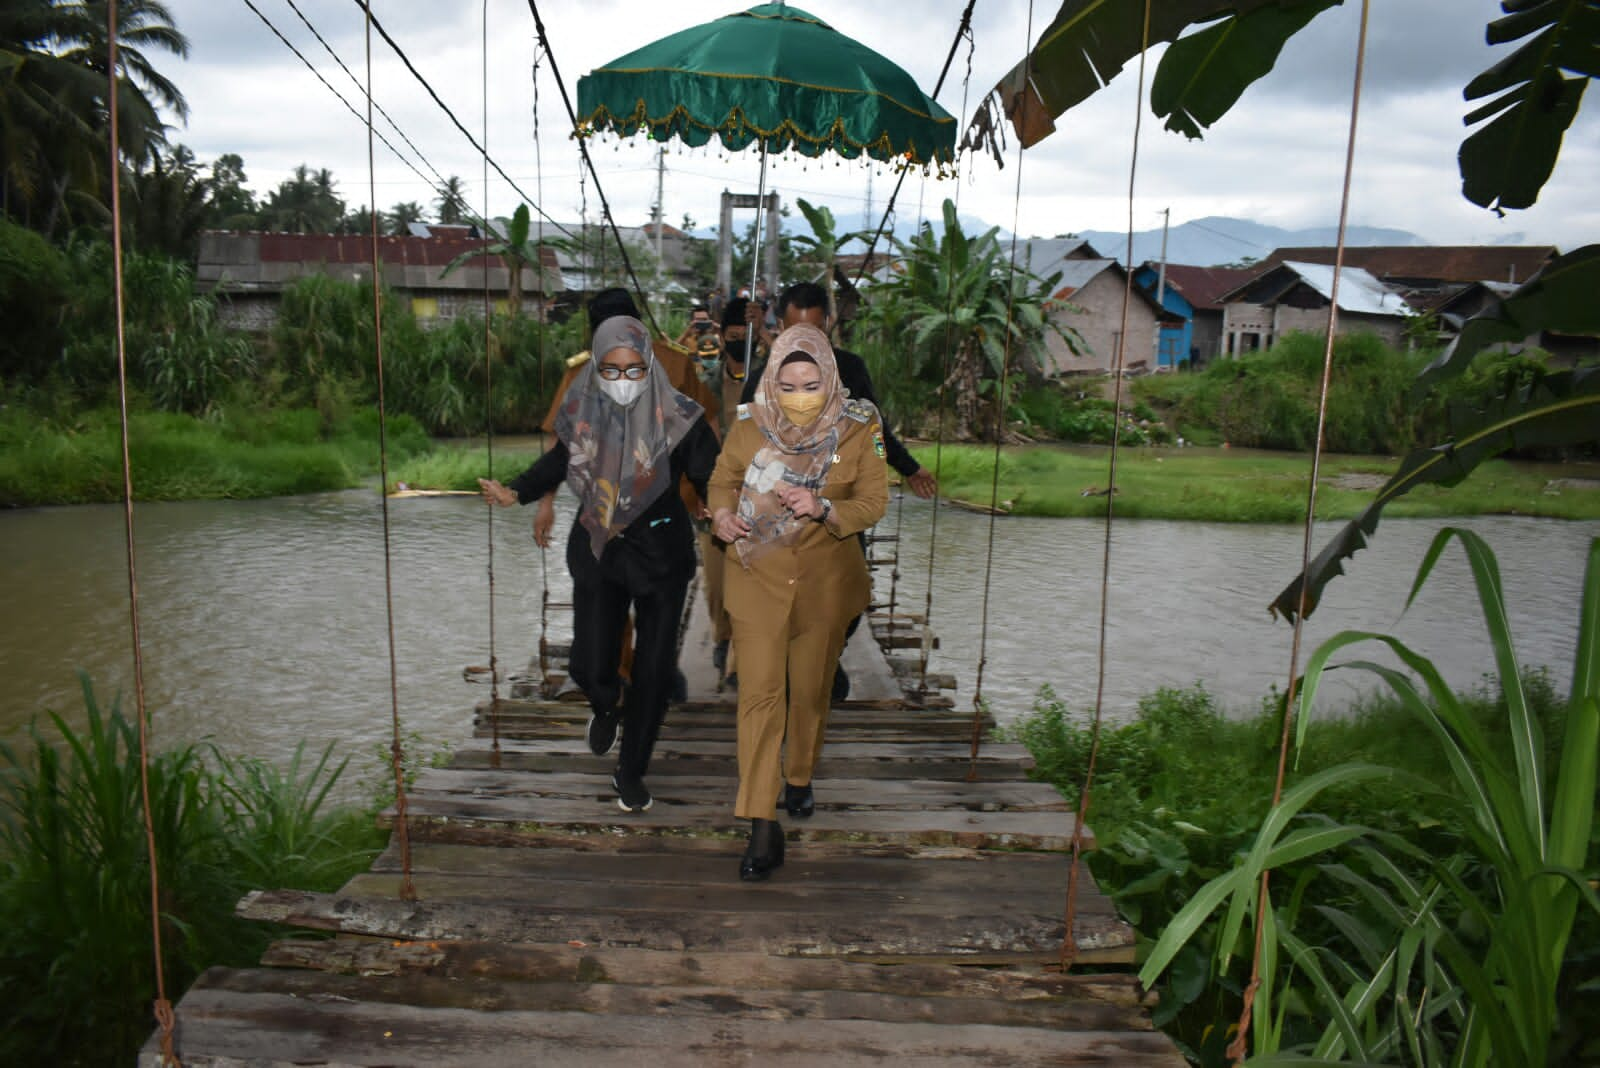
{"x":661,"y":183}
{"x":1161,"y":281}
{"x":1161,"y":286}
{"x":869,"y":216}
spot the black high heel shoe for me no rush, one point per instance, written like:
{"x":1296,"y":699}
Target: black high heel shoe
{"x":799,"y":801}
{"x":764,"y":854}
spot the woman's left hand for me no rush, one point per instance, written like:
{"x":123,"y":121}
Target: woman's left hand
{"x":801,"y":502}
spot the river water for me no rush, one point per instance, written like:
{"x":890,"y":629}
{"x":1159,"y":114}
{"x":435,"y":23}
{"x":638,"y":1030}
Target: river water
{"x":264,"y":623}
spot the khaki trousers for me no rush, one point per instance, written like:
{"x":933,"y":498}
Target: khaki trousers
{"x":712,"y":561}
{"x":785,"y":684}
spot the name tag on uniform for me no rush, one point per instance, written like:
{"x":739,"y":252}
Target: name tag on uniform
{"x":744,"y":411}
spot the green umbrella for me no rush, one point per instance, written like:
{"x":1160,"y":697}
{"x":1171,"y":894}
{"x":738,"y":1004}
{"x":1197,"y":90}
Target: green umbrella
{"x":774,"y":75}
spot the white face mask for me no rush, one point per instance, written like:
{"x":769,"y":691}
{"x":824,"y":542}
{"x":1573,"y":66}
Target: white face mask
{"x":622,"y":390}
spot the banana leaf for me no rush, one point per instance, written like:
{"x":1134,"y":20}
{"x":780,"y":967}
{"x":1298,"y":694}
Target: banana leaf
{"x":1506,"y":163}
{"x":1560,"y":409}
{"x":1560,"y":298}
{"x":1089,"y":41}
{"x":1204,"y":74}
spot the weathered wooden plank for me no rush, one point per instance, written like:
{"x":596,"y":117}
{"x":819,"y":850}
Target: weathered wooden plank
{"x":897,"y":936}
{"x":537,"y":728}
{"x":831,"y":793}
{"x":748,"y":971}
{"x":995,"y":755}
{"x":676,"y":814}
{"x":988,"y":876}
{"x":800,"y":891}
{"x":574,"y":756}
{"x":271,"y":1029}
{"x":843,"y":719}
{"x":692,"y":998}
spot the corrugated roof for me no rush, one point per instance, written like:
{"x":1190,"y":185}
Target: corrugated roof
{"x":1359,"y":292}
{"x":1203,"y":287}
{"x":1446,"y":263}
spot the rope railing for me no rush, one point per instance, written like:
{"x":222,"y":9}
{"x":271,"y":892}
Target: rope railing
{"x":583,"y":149}
{"x":1240,"y":1046}
{"x":162,"y":1006}
{"x":408,"y":890}
{"x":1069,"y":942}
{"x":978,"y":704}
{"x":488,"y":404}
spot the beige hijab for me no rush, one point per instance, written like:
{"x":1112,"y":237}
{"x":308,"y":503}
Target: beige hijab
{"x":798,"y":455}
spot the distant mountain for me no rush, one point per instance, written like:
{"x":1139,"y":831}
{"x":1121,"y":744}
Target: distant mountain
{"x":1217,"y":240}
{"x":1207,"y":242}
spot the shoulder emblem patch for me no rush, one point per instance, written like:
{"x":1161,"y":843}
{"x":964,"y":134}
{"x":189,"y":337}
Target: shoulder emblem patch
{"x":859,"y":410}
{"x":744,"y":411}
{"x":877,"y":442}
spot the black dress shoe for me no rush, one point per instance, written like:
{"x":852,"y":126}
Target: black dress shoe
{"x":841,"y":684}
{"x":719,"y":655}
{"x":679,"y":691}
{"x":798,"y":801}
{"x":764,"y":854}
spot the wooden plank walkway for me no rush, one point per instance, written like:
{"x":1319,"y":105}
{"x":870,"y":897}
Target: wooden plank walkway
{"x":917,"y":919}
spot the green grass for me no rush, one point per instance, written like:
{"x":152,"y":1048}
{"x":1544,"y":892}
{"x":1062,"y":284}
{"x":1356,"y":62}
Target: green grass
{"x":1240,"y":486}
{"x":455,"y":467}
{"x":234,"y":453}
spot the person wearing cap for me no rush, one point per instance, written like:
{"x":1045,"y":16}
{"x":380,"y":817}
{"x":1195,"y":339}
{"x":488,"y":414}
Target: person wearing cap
{"x":800,"y":475}
{"x":625,"y":437}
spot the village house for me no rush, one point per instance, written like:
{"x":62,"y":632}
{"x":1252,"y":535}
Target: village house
{"x":1295,"y":296}
{"x":1087,"y":297}
{"x":250,"y":271}
{"x":1192,"y":295}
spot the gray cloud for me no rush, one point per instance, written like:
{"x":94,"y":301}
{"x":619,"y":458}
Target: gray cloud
{"x":1277,"y":157}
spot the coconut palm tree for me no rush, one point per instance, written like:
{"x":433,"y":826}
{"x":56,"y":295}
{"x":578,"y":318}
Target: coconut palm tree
{"x":451,"y":205}
{"x":400,"y":217}
{"x":53,"y":94}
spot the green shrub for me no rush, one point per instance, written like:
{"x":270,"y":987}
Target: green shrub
{"x":35,"y":291}
{"x":76,"y":960}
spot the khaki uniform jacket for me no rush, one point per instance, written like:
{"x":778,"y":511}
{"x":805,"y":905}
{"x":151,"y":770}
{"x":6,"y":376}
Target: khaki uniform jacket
{"x":825,"y":561}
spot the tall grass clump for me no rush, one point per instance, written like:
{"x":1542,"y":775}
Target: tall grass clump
{"x":1447,"y":942}
{"x":76,"y":962}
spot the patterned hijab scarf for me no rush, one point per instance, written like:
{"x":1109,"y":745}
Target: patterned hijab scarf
{"x":619,"y":458}
{"x":798,"y":455}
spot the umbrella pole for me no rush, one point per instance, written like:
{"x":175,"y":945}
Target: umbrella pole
{"x":755,"y":260}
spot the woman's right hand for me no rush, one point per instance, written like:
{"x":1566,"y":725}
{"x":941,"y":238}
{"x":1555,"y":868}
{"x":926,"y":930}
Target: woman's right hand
{"x":729,"y":527}
{"x":495,"y":493}
{"x":544,"y":520}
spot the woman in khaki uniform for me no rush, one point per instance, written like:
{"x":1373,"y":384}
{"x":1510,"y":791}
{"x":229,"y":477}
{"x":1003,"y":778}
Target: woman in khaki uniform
{"x":800,"y":475}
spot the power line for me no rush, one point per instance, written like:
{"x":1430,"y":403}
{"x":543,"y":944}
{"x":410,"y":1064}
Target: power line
{"x":390,"y":119}
{"x":339,"y":96}
{"x":390,"y":41}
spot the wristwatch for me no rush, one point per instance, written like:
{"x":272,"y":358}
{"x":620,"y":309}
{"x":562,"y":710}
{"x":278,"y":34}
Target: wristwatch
{"x":827,"y":509}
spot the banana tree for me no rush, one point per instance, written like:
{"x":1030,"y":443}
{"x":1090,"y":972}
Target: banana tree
{"x":965,"y":310}
{"x":820,"y":249}
{"x":516,"y":251}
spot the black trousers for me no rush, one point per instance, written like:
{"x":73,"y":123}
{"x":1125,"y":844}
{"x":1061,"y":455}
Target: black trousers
{"x":600,"y":610}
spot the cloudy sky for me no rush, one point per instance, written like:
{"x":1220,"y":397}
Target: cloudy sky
{"x":1276,"y":158}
